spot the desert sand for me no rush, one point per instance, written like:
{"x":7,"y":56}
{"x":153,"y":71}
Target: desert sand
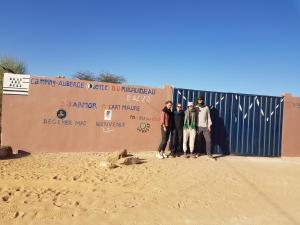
{"x":71,"y":188}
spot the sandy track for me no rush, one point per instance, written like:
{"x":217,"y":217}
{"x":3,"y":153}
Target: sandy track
{"x":71,"y":188}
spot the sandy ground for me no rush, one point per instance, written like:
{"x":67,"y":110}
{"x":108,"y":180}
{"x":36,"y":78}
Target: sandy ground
{"x":71,"y":188}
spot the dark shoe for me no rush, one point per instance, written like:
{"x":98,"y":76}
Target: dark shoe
{"x":193,"y":155}
{"x":185,"y":155}
{"x":172,"y":154}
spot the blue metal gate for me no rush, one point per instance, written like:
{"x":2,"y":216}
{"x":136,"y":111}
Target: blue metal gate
{"x":243,"y":124}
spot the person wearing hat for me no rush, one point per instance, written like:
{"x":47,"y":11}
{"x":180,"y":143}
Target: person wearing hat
{"x":189,"y":129}
{"x":204,"y":124}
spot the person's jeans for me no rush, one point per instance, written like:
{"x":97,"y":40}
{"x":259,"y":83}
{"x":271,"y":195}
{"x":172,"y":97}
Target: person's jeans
{"x":189,"y":135}
{"x":176,"y":140}
{"x":164,"y":139}
{"x":203,"y":131}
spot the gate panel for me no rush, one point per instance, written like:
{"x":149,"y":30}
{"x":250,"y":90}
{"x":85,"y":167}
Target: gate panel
{"x":243,"y":124}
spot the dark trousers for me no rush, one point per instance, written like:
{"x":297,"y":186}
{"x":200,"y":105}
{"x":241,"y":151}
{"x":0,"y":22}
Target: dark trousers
{"x":164,"y":139}
{"x":204,"y":132}
{"x":176,"y":140}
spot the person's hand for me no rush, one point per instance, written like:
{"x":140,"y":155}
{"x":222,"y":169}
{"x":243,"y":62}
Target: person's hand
{"x":209,"y":129}
{"x":165,"y":129}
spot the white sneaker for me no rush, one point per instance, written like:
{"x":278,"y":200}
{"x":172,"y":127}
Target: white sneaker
{"x":159,"y":155}
{"x":164,"y":155}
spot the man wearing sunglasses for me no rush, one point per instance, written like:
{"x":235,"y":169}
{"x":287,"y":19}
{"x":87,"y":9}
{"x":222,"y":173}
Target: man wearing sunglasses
{"x":177,"y":131}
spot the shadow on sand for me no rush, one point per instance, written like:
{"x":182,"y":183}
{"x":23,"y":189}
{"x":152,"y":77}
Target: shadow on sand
{"x":20,"y":154}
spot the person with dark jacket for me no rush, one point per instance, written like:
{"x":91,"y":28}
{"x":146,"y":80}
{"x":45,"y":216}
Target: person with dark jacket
{"x":165,"y":127}
{"x":177,"y":122}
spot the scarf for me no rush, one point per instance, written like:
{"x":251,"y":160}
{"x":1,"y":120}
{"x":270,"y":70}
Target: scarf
{"x":201,"y":105}
{"x":166,"y":110}
{"x":187,"y":122}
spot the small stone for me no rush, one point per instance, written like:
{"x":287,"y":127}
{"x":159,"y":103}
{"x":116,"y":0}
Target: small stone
{"x":123,"y":154}
{"x":115,"y":156}
{"x":17,"y":214}
{"x":130,"y":160}
{"x":76,"y":177}
{"x":5,"y":198}
{"x":58,"y":204}
{"x":107,"y":165}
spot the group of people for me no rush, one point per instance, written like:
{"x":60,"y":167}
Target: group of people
{"x":185,"y":128}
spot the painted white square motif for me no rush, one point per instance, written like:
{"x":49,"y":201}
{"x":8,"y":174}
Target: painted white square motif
{"x":16,"y":84}
{"x":107,"y":114}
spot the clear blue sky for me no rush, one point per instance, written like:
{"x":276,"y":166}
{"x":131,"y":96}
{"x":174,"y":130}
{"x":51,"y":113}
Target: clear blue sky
{"x":233,"y":46}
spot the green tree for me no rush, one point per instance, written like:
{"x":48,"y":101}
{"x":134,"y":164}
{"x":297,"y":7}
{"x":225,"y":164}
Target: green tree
{"x":111,"y":78}
{"x":10,"y":65}
{"x":102,"y":77}
{"x":87,"y":75}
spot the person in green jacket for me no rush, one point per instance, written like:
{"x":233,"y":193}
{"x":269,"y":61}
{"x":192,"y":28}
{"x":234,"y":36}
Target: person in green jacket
{"x":189,"y":129}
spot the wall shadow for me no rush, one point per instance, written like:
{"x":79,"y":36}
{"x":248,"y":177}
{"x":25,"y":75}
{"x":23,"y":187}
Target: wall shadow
{"x":219,"y":135}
